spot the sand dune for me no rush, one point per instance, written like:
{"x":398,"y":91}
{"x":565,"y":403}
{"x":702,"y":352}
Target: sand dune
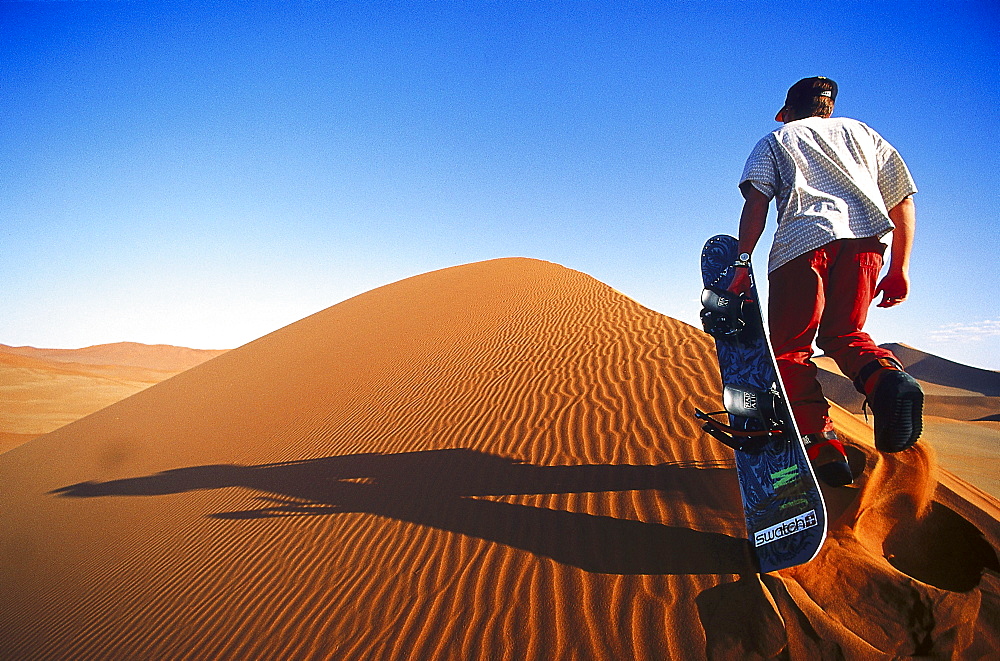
{"x":493,"y":461}
{"x":44,"y":389}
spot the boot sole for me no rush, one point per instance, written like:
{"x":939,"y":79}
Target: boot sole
{"x":905,"y":423}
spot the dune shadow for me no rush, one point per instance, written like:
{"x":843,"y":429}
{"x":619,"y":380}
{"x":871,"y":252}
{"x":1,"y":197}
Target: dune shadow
{"x":450,"y":490}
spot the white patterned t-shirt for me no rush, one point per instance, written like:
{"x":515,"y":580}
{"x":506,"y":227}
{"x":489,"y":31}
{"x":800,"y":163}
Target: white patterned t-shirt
{"x":833,"y":178}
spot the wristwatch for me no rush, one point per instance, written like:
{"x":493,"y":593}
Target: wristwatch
{"x":743,"y":261}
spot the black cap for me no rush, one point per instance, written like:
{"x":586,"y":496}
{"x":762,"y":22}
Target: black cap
{"x":805,"y":93}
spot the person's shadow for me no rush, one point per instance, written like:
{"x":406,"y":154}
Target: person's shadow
{"x":446,"y":489}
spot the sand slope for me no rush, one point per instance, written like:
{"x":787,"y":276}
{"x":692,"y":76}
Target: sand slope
{"x":493,"y":461}
{"x":44,"y":389}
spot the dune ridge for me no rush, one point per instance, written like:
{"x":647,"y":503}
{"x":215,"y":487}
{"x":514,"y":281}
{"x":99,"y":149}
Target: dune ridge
{"x":162,"y":357}
{"x":497,"y":461}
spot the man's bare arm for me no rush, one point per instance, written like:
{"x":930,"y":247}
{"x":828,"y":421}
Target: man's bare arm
{"x":895,"y":286}
{"x":753,"y":219}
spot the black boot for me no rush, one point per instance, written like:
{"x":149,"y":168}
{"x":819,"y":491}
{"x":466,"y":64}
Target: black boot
{"x":896,"y":401}
{"x":826,"y":453}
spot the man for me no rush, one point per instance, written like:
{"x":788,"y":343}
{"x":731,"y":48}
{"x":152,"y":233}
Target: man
{"x":841,"y":191}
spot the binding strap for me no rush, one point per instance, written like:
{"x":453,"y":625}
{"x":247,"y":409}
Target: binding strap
{"x":745,"y":440}
{"x":748,"y":402}
{"x":722,"y":312}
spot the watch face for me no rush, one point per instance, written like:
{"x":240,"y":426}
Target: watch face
{"x":744,"y":257}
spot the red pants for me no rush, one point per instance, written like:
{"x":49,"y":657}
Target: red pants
{"x":823,"y":295}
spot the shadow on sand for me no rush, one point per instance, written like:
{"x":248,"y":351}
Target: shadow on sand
{"x":444,"y":489}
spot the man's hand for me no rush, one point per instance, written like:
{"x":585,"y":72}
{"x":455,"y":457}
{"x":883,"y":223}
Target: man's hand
{"x":741,"y":282}
{"x":894,"y":287}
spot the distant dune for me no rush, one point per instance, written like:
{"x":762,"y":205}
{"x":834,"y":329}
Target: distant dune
{"x":163,"y":357}
{"x":945,"y":372}
{"x":492,"y":461}
{"x":44,"y":389}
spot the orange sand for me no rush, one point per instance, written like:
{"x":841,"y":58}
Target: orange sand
{"x":493,"y":461}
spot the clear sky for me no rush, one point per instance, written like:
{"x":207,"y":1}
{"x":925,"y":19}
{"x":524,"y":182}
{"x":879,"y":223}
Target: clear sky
{"x":202,"y":173}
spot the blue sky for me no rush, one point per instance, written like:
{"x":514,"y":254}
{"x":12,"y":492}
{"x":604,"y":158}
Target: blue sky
{"x":202,"y":173}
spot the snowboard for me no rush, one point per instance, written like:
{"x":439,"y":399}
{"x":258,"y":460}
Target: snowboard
{"x":782,"y":502}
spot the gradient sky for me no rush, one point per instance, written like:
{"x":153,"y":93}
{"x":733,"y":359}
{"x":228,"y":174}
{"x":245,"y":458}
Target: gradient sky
{"x":202,"y":173}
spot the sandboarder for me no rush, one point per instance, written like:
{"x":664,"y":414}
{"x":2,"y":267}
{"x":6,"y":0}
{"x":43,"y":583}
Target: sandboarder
{"x":841,"y":192}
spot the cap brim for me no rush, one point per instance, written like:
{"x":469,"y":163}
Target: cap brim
{"x":777,"y":117}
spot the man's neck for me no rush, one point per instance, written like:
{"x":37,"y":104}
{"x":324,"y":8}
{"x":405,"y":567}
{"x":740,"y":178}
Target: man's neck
{"x":795,"y":119}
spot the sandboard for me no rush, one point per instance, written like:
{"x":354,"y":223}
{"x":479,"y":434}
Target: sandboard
{"x":783,"y":506}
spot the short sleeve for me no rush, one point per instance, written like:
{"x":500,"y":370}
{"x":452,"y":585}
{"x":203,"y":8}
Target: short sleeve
{"x":894,"y":179}
{"x":761,"y":169}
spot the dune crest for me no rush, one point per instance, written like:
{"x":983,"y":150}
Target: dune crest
{"x":496,"y":460}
